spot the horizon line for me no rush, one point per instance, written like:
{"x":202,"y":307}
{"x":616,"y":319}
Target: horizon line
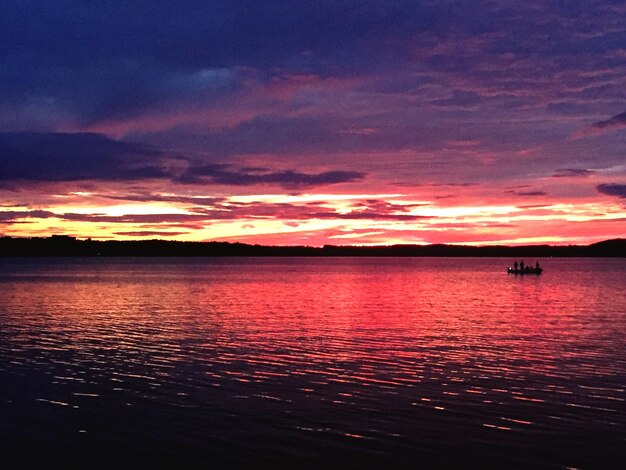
{"x":417,"y":245}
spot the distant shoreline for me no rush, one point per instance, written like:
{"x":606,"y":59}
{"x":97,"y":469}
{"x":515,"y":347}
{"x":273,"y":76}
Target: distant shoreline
{"x":61,"y":245}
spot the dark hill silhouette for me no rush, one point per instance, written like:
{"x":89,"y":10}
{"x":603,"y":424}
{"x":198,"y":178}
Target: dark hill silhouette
{"x":62,"y":245}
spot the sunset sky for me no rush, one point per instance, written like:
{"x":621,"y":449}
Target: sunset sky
{"x":314,"y":122}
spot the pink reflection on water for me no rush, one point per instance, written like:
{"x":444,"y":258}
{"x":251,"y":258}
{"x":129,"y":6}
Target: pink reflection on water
{"x":390,"y":350}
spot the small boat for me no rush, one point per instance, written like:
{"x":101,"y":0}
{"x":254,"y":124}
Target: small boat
{"x":526,"y":270}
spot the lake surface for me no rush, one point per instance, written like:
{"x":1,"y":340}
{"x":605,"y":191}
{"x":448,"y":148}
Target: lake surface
{"x":345,"y":362}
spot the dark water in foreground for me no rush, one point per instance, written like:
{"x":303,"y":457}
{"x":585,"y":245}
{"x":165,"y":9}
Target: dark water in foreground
{"x":350,"y":362}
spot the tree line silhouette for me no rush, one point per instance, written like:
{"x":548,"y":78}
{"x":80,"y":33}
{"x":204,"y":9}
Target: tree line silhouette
{"x":63,"y":245}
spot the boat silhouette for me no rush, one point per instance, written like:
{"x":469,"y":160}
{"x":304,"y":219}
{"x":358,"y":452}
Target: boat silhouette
{"x":526,"y":270}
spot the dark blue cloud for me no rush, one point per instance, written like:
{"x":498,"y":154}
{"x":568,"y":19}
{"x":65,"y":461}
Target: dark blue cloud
{"x":616,"y":121}
{"x":56,"y":157}
{"x":75,"y":157}
{"x":609,"y":189}
{"x":9,"y":217}
{"x":225,"y":175}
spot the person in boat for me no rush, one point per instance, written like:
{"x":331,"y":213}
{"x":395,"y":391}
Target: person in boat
{"x":537,"y":266}
{"x":521,"y":265}
{"x":515,"y":266}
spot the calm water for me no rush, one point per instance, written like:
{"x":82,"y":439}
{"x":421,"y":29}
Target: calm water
{"x":350,"y":362}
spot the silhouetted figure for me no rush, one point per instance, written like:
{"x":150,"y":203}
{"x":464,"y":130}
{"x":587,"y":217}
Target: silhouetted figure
{"x":537,"y":265}
{"x":515,"y":265}
{"x":521,"y":265}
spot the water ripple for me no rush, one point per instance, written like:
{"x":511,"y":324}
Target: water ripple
{"x":356,"y":362}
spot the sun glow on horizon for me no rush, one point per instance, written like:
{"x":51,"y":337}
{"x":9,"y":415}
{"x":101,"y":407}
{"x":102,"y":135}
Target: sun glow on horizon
{"x":314,"y":219}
